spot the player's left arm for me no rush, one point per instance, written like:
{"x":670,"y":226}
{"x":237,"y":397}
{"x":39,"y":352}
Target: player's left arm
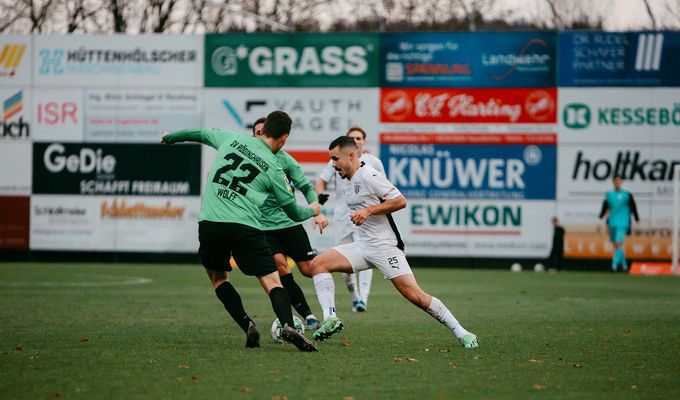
{"x":301,"y":181}
{"x":633,"y":207}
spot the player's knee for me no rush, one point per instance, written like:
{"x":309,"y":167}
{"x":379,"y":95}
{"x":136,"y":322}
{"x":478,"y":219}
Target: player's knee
{"x":317,"y":265}
{"x":305,"y":268}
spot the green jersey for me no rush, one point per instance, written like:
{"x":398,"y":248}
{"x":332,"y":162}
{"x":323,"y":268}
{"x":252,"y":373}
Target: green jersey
{"x":241,"y":178}
{"x":273,"y":217}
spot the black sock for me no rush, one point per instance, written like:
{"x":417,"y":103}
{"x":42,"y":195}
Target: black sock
{"x":281,"y":306}
{"x":232,"y":303}
{"x":297,"y":298}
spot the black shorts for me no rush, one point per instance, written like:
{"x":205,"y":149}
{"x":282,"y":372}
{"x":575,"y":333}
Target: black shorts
{"x":292,"y":242}
{"x":219,"y":240}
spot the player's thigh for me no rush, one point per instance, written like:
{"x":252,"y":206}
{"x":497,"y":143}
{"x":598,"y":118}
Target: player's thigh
{"x":389,"y":260}
{"x":617,"y":234}
{"x":215,"y":239}
{"x":296,"y":244}
{"x":333,"y":260}
{"x":251,"y":252}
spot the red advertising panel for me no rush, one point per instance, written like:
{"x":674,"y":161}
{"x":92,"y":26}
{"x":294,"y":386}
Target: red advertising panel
{"x":500,"y":106}
{"x":14,"y":225}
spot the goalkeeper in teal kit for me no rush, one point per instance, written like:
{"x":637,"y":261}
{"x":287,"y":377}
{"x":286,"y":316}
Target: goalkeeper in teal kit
{"x":619,"y":206}
{"x":245,"y":172}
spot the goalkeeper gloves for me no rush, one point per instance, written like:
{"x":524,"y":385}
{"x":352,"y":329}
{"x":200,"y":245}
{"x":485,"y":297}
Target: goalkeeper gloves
{"x":323,"y":198}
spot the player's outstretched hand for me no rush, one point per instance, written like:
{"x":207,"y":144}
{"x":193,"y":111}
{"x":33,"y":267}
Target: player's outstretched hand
{"x":163,"y":141}
{"x":321,"y":221}
{"x":323,"y":198}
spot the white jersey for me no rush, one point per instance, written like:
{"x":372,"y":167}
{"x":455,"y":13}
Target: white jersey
{"x":329,"y":174}
{"x":368,"y":188}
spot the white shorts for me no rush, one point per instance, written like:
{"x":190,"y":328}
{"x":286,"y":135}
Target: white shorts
{"x":344,"y":233}
{"x":389,"y":260}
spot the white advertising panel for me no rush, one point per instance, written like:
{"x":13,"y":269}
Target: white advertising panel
{"x":619,"y":115}
{"x":15,"y":60}
{"x":585,"y":172}
{"x":453,"y":228}
{"x":113,"y":115}
{"x":16,"y":168}
{"x":149,"y":224}
{"x":319,"y":115}
{"x":58,"y":115}
{"x":15,"y":117}
{"x":118,"y":60}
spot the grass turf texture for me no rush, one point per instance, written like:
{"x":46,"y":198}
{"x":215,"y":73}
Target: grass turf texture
{"x":83,"y":331}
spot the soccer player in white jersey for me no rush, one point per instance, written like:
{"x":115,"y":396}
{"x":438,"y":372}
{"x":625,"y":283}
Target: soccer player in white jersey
{"x":371,"y":198}
{"x":358,"y":284}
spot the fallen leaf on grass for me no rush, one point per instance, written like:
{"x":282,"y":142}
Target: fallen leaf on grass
{"x":397,"y":359}
{"x":411,"y":359}
{"x":477,"y":357}
{"x":84,"y":340}
{"x":183,"y":366}
{"x":245,"y":389}
{"x":348,"y":398}
{"x":444,"y":350}
{"x":56,"y":395}
{"x":453,"y":365}
{"x":577,"y":365}
{"x":536,"y":361}
{"x":274,"y":371}
{"x":279,"y":397}
{"x":346,"y":342}
{"x":18,"y":348}
{"x":538,"y":386}
{"x":194,"y":378}
{"x":633,"y":387}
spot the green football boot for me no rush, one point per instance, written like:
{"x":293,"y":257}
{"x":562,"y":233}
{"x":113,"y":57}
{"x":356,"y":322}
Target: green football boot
{"x":469,"y":341}
{"x":328,"y":328}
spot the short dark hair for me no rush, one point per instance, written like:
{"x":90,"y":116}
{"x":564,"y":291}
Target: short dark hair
{"x":277,"y":124}
{"x":343,"y":142}
{"x":357,"y":128}
{"x":617,"y":176}
{"x":258,"y":121}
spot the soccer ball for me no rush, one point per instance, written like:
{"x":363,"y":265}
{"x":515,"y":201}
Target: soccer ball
{"x":539,"y":267}
{"x":277,"y":328}
{"x":516,"y":267}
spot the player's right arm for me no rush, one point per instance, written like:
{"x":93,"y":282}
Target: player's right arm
{"x":286,"y":199}
{"x":211,"y":137}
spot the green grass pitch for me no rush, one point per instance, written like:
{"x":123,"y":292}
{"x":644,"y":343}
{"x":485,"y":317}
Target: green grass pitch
{"x":131,"y":331}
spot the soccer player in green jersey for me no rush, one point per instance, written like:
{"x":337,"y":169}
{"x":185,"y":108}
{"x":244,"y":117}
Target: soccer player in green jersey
{"x":287,"y":238}
{"x":241,"y":178}
{"x":619,"y":206}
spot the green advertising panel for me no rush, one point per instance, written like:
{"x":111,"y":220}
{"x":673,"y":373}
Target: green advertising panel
{"x":291,"y":60}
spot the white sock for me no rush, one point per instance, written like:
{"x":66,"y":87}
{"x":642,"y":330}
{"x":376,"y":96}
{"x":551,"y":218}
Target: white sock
{"x":352,"y":287}
{"x":442,"y":314}
{"x":325,"y":292}
{"x":365,"y":278}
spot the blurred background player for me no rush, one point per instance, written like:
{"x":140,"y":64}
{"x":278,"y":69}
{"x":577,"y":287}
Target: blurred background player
{"x":288,"y":238}
{"x":371,"y":199}
{"x":557,"y":250}
{"x":242,"y":176}
{"x":358,"y":284}
{"x":618,"y":206}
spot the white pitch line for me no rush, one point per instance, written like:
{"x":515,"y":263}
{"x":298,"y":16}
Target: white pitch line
{"x":128,"y":282}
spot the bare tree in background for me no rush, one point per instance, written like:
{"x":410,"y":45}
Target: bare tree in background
{"x":577,"y":14}
{"x":651,"y":14}
{"x":201,"y":16}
